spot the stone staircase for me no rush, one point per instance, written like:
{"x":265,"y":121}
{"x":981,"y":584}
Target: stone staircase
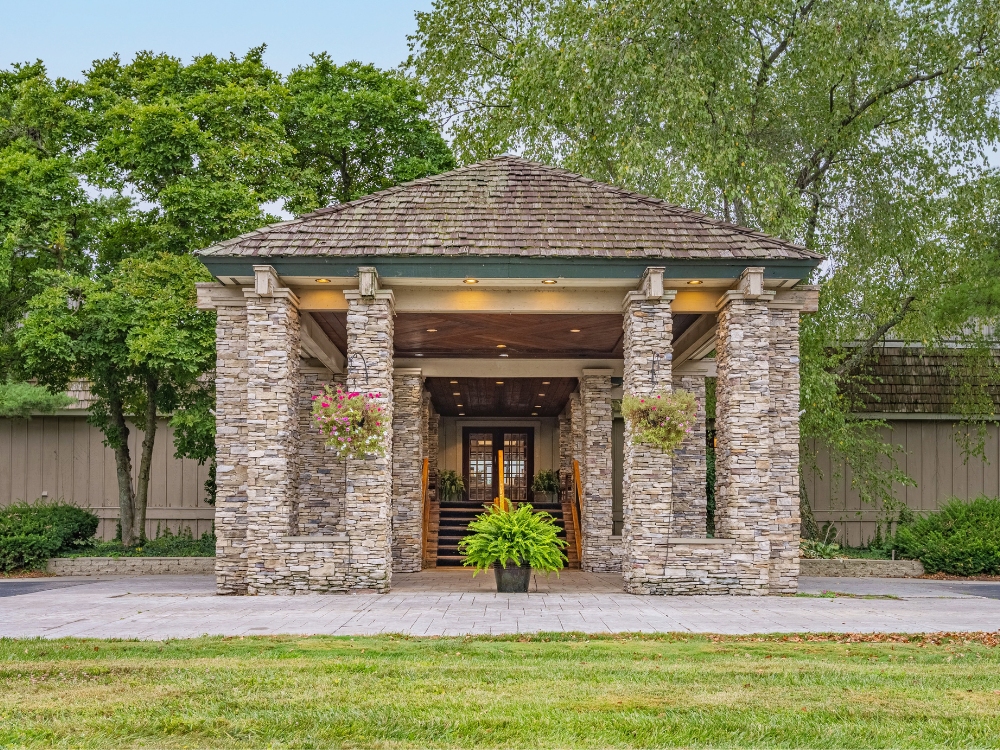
{"x":452,"y":525}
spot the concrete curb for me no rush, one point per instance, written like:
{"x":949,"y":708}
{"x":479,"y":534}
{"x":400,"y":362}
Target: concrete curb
{"x":853,"y":568}
{"x":130,"y":566}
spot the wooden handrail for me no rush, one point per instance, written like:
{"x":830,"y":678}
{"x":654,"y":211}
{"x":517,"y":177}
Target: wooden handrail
{"x":499,"y":500}
{"x":425,"y":503}
{"x":576,"y":505}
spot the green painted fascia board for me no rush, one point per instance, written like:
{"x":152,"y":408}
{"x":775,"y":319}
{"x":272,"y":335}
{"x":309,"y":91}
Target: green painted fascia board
{"x":508,"y":268}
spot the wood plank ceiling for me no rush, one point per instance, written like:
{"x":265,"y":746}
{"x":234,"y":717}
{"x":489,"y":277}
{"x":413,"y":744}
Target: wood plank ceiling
{"x":493,"y":397}
{"x":477,"y":335}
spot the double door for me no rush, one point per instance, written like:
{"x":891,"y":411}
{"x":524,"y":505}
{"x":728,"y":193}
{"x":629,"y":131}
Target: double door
{"x":480,"y":459}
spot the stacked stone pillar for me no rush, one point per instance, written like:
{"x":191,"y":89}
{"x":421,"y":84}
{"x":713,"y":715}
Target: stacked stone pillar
{"x":231,"y":446}
{"x":597,"y":522}
{"x":272,"y":411}
{"x":409,"y":429}
{"x":647,"y":500}
{"x":690,"y":501}
{"x":743,"y":490}
{"x":784,"y":383}
{"x":368,"y":506}
{"x":566,"y":450}
{"x":321,"y":473}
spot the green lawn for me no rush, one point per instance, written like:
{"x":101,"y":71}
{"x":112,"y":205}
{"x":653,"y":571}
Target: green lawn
{"x":557,"y":691}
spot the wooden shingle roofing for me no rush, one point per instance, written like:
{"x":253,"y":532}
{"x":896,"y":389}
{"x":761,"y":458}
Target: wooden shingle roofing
{"x":508,"y":207}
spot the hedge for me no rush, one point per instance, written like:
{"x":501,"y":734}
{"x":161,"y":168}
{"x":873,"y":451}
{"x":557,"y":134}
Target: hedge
{"x":962,"y":538}
{"x":31,"y":533}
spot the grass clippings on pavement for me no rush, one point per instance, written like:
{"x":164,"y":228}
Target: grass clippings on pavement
{"x":560,"y":690}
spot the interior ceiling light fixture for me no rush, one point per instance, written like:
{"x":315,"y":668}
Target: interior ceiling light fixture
{"x":459,"y":405}
{"x":545,"y":382}
{"x":574,"y":330}
{"x":418,"y":355}
{"x":322,"y":281}
{"x":501,"y":346}
{"x":461,"y":414}
{"x":453,"y":382}
{"x":534,"y":413}
{"x":549,"y":281}
{"x":499,"y":382}
{"x":432,"y":330}
{"x":541,"y":394}
{"x":538,"y":406}
{"x":504,"y":355}
{"x":695,"y":282}
{"x":471,"y":281}
{"x":456,"y":394}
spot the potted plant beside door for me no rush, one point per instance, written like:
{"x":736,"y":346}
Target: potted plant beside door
{"x":513,"y":543}
{"x":546,"y":486}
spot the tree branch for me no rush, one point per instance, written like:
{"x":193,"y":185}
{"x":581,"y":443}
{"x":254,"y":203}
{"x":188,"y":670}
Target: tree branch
{"x":877,"y":335}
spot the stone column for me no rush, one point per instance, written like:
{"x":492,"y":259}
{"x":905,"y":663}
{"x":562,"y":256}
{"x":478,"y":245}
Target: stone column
{"x":595,"y":397}
{"x":409,"y":424}
{"x":565,"y":449}
{"x":647,"y":502}
{"x":785,"y":525}
{"x":689,"y":490}
{"x":321,"y":473}
{"x":272,"y":410}
{"x":433,"y":445}
{"x":231,"y":446}
{"x":368,"y":507}
{"x":743,"y":493}
{"x":576,"y":429}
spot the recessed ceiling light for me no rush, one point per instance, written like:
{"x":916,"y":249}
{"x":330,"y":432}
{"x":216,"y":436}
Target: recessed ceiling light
{"x":456,"y":393}
{"x":504,"y":355}
{"x":538,"y":406}
{"x":534,"y":413}
{"x":453,"y":382}
{"x":541,"y":394}
{"x":501,"y":346}
{"x":461,"y":414}
{"x":574,"y":330}
{"x":471,"y":281}
{"x":459,"y":405}
{"x":545,"y":382}
{"x":432,"y":330}
{"x":549,"y":281}
{"x":499,"y":382}
{"x":418,"y":355}
{"x":695,"y":282}
{"x":322,"y":281}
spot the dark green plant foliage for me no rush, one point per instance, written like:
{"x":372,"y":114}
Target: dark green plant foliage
{"x":21,"y":400}
{"x":451,"y":484}
{"x":545,"y":481}
{"x":961,"y":539}
{"x":166,"y":544}
{"x":30,"y":533}
{"x":521,"y":537}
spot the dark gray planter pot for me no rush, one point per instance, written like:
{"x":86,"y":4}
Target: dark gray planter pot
{"x":512,"y":579}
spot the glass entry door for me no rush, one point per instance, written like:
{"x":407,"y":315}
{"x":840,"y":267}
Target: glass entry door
{"x":480,"y":450}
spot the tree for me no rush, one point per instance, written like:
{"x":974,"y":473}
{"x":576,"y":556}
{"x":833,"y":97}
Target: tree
{"x":137,"y":337}
{"x":355,"y":129}
{"x":861,"y":130}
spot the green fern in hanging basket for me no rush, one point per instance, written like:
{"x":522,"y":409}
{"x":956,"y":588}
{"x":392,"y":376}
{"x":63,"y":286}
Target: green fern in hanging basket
{"x":518,"y":537}
{"x":661,"y":419}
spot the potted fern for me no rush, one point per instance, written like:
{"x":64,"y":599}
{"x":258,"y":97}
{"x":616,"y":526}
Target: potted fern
{"x":513,"y":542}
{"x":545,"y":486}
{"x":451,"y":485}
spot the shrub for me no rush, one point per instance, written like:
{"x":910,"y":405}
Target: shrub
{"x":30,"y":533}
{"x":353,"y":422}
{"x":663,"y":419}
{"x":960,"y":539}
{"x":166,"y":544}
{"x":521,"y":536}
{"x":545,"y":481}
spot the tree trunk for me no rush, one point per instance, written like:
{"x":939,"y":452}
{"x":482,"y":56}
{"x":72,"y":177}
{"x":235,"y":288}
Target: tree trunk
{"x":123,"y":464}
{"x":145,"y":461}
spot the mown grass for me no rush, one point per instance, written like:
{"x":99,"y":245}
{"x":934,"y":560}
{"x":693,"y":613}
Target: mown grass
{"x":544,"y":691}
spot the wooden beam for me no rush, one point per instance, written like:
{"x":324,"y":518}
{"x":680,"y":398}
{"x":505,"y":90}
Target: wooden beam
{"x":694,"y":339}
{"x":316,"y":344}
{"x":507,"y":368}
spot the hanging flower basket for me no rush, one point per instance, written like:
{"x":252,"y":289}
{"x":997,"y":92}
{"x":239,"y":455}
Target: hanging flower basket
{"x":354,"y":423}
{"x":660,"y":419}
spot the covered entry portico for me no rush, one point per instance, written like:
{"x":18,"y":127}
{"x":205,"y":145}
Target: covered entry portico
{"x":521,"y":287}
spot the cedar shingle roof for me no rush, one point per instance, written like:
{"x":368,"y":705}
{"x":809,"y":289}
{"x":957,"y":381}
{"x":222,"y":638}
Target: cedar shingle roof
{"x":509,"y":206}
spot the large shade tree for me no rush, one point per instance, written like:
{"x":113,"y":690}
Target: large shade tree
{"x":864,"y":131}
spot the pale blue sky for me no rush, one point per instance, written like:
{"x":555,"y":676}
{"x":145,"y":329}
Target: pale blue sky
{"x":67,"y":35}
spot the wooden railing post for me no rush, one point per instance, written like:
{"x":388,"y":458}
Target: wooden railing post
{"x":425,"y":500}
{"x":577,"y":507}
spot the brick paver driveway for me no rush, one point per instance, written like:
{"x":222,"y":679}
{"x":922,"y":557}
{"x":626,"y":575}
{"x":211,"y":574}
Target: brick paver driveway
{"x":451,"y":602}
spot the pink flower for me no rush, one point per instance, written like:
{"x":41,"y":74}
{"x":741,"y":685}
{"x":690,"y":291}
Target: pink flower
{"x":315,"y":397}
{"x":326,"y":405}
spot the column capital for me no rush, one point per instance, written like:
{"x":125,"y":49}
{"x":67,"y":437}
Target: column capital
{"x":633,"y":298}
{"x":379,"y":295}
{"x":735,"y":295}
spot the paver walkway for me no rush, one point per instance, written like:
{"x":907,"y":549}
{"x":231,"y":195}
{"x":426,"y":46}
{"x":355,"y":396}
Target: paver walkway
{"x":453,"y":603}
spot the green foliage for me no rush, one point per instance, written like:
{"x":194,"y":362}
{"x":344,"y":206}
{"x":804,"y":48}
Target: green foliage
{"x":545,"y":480}
{"x":961,"y":538}
{"x":30,"y":533}
{"x":451,"y":484}
{"x":24,"y":399}
{"x":661,"y":419}
{"x":522,"y":536}
{"x":354,"y":129}
{"x":814,"y":548}
{"x":166,"y":544}
{"x":352,"y":422}
{"x":861,"y":130}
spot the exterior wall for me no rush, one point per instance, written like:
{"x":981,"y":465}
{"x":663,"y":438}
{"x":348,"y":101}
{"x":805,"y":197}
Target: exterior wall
{"x":690,"y":496}
{"x":409,"y":430}
{"x":321,"y":485}
{"x":65,"y":458}
{"x":450,"y":440}
{"x":928,"y":453}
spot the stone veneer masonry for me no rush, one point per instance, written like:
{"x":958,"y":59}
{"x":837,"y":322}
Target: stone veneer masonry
{"x":231,"y":447}
{"x":409,"y":429}
{"x":368,"y":506}
{"x":321,"y":473}
{"x":565,"y":450}
{"x":785,"y":521}
{"x":647,"y":498}
{"x":597,"y":523}
{"x":690,"y":501}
